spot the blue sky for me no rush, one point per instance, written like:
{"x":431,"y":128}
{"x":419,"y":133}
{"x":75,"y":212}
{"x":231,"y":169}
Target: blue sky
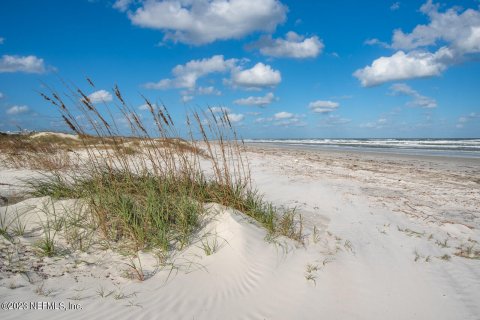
{"x":282,"y":69}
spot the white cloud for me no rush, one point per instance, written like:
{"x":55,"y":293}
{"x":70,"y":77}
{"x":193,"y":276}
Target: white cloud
{"x":379,"y":124}
{"x":145,"y":107}
{"x":402,"y":66}
{"x":375,"y":41}
{"x":259,"y":76}
{"x":257,"y":101}
{"x":100,"y":96}
{"x":395,"y":6}
{"x":205,"y":21}
{"x":235,"y":117}
{"x":262,"y":120}
{"x":220,"y":110}
{"x":209,"y":91}
{"x":162,"y":84}
{"x":458,"y":34}
{"x":323,"y":106}
{"x":460,"y":30}
{"x":333,"y":121}
{"x":17,"y":110}
{"x":186,"y":76}
{"x":464,"y":120}
{"x":418,"y":100}
{"x":293,"y":46}
{"x":122,"y":5}
{"x":254,"y":113}
{"x":27,"y":64}
{"x":282,"y":119}
{"x":187,"y":98}
{"x":291,"y":122}
{"x":283,"y":115}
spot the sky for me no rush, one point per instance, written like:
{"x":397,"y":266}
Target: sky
{"x":280,"y":69}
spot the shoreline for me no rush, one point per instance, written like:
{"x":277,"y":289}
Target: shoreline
{"x":373,"y":152}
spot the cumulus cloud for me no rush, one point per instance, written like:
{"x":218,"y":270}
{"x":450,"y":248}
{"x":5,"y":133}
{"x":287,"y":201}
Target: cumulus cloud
{"x":235,"y":117}
{"x":460,"y":30}
{"x":259,"y":76}
{"x":205,"y":21}
{"x":257,"y":101}
{"x":403,"y":66}
{"x":189,"y":94}
{"x":323,"y":106}
{"x":209,"y":91}
{"x":453,"y":35}
{"x":293,"y":46}
{"x":100,"y":96}
{"x":282,"y":119}
{"x":17,"y":110}
{"x":220,"y":110}
{"x":186,"y":76}
{"x":418,"y":100}
{"x":27,"y":64}
{"x":283,"y":115}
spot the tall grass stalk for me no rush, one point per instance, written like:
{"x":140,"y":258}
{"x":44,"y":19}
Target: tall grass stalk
{"x":153,"y":194}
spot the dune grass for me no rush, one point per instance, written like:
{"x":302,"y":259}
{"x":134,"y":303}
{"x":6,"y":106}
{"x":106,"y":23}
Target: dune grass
{"x":149,"y":186}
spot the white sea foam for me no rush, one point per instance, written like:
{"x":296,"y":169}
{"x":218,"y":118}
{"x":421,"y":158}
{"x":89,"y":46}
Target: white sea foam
{"x":458,"y":146}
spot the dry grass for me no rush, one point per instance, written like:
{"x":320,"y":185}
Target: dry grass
{"x":148,"y":186}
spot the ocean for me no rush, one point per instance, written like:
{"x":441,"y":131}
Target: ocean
{"x":469,"y":148}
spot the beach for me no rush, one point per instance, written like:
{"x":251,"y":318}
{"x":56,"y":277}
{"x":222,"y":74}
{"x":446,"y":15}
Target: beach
{"x":239,"y":159}
{"x":385,"y":236}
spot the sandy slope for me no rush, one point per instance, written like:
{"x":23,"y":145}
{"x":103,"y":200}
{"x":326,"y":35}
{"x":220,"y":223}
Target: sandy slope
{"x":384,"y":225}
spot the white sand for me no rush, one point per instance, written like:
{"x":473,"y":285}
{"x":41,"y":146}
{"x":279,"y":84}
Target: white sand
{"x":383,"y":223}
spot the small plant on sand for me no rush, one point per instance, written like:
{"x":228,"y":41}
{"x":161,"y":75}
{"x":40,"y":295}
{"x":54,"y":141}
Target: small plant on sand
{"x":42,"y":291}
{"x":19,"y":226}
{"x":349,"y":246}
{"x":446,"y":257}
{"x":310,"y":273}
{"x":210,"y":245}
{"x":443,"y":244}
{"x":136,"y":270}
{"x":5,"y":226}
{"x":417,"y":256}
{"x":103,"y":293}
{"x":50,"y":229}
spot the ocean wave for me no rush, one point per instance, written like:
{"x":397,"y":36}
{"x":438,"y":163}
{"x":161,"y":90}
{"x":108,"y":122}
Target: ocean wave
{"x":423,"y":144}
